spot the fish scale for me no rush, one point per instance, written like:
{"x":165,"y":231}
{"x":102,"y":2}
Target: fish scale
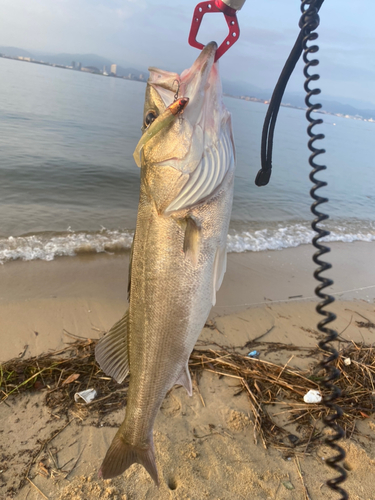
{"x":178,"y":255}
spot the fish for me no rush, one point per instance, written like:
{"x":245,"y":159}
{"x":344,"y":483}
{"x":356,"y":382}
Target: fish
{"x":178,"y":257}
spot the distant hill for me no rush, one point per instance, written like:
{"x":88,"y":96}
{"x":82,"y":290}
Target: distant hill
{"x":244,"y":88}
{"x":353,"y":107}
{"x":329,"y":105}
{"x":297,"y":99}
{"x":346,"y":109}
{"x":15,"y":52}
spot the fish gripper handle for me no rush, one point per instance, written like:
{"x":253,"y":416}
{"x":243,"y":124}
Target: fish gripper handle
{"x":309,"y":23}
{"x":224,"y":7}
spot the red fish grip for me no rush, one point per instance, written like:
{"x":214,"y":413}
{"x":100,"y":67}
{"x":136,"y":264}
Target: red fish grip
{"x":230,"y":16}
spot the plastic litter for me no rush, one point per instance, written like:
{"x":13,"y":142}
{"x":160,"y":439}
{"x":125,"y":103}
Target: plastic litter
{"x":312,"y":396}
{"x":253,"y":354}
{"x":347,"y":361}
{"x":88,"y":395}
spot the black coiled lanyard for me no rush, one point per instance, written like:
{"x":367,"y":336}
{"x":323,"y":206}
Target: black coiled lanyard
{"x":308,"y":23}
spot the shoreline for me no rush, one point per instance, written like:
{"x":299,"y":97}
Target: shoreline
{"x":85,"y":295}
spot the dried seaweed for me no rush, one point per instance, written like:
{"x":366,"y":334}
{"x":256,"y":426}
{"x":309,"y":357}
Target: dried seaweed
{"x":270,"y":384}
{"x":62,"y":373}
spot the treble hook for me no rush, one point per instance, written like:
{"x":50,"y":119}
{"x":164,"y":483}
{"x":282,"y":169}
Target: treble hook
{"x":175,"y":97}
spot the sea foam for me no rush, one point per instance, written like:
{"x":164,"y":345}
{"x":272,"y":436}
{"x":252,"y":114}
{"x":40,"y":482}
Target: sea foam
{"x":293,"y":235}
{"x":47,"y":246}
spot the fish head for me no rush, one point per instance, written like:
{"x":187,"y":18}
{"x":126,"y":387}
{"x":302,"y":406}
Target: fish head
{"x":197,"y":145}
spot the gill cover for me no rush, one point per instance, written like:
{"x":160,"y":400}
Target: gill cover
{"x":186,"y":162}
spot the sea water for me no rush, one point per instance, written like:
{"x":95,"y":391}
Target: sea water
{"x":69,"y":184}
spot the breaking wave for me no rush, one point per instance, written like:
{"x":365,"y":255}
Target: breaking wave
{"x":47,"y":246}
{"x":288,"y":236}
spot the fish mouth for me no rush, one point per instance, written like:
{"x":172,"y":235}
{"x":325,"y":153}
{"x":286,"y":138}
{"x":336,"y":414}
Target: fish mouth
{"x":199,"y":81}
{"x":194,"y":79}
{"x":202,"y":65}
{"x":191,"y":83}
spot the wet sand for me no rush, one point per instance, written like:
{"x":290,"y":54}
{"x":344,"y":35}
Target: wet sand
{"x":85,"y":295}
{"x":265,"y":293}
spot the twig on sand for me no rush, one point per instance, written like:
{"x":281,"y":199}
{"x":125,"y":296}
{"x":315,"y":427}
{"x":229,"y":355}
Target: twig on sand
{"x":347,"y":326}
{"x":75,"y":463}
{"x":359,"y":314}
{"x":66,"y":463}
{"x":52,"y":458}
{"x":258,"y":419}
{"x":309,"y":440}
{"x":74,"y":336}
{"x":248,"y":344}
{"x":41,"y":448}
{"x":199,"y":392}
{"x":286,"y":364}
{"x":58,"y":432}
{"x":306,"y":495}
{"x":36,"y":487}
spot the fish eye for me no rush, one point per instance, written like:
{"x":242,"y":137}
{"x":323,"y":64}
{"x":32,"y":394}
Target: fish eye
{"x":150,"y":117}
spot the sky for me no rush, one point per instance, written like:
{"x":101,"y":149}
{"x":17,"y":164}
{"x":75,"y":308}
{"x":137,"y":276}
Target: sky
{"x":145,"y":33}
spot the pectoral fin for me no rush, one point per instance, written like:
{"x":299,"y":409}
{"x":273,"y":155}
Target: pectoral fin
{"x":184,"y":379}
{"x":111,"y":352}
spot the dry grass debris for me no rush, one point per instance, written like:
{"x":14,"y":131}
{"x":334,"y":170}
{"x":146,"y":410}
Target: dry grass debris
{"x":63,"y":373}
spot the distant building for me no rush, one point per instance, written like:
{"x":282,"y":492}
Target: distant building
{"x":113,"y":69}
{"x":79,"y":66}
{"x":73,"y":64}
{"x":131,"y":76}
{"x":141,"y":76}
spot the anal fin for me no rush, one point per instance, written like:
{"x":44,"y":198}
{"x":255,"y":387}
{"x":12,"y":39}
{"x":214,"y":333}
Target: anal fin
{"x":111,"y":352}
{"x":184,"y":379}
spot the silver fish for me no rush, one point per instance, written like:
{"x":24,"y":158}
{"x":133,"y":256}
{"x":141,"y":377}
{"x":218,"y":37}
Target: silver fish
{"x":178,"y":257}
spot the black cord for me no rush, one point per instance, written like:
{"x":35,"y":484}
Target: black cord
{"x":264,"y":173}
{"x":309,"y":22}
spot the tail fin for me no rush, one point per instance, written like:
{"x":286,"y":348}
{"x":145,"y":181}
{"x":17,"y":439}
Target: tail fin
{"x":120,"y":456}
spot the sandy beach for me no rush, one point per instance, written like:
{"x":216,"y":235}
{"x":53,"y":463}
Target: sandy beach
{"x":264,"y":293}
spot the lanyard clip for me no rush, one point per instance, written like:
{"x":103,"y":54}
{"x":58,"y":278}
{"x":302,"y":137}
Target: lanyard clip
{"x":230,"y":16}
